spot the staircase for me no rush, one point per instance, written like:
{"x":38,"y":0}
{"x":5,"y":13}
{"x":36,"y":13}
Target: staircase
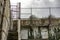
{"x":12,"y":35}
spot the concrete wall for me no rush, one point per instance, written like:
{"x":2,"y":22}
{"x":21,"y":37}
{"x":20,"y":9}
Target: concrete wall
{"x":36,"y":34}
{"x":42,"y":21}
{"x":24,"y":34}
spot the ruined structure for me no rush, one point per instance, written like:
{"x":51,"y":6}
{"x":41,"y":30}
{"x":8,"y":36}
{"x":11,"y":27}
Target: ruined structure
{"x":4,"y":18}
{"x":43,"y":28}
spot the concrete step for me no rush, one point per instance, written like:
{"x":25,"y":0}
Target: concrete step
{"x":12,"y":36}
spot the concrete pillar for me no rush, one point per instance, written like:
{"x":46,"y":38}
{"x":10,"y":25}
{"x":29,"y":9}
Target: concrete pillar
{"x":19,"y":26}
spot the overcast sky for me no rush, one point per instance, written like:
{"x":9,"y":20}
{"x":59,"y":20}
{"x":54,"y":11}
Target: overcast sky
{"x":38,"y":4}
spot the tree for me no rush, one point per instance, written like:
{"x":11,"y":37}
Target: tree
{"x":33,"y":17}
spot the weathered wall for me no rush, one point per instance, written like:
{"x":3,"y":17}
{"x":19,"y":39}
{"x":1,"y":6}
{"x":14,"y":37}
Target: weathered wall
{"x":1,"y":9}
{"x":6,"y":20}
{"x":41,"y":22}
